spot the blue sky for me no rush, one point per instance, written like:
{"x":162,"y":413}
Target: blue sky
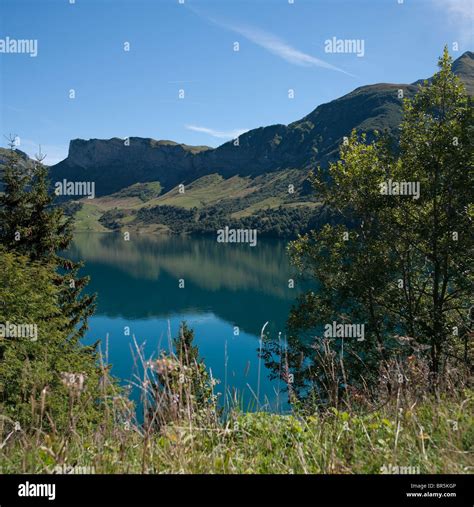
{"x":190,"y":47}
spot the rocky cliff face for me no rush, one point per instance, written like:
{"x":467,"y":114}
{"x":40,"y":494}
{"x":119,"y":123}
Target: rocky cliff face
{"x":115,"y":164}
{"x":143,"y":150}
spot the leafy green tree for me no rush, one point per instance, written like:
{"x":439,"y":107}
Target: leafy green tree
{"x":436,"y":233}
{"x":399,"y":264}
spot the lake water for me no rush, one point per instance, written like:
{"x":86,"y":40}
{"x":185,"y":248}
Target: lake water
{"x":225,"y":286}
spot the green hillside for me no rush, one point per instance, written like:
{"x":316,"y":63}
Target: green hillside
{"x":142,"y":208}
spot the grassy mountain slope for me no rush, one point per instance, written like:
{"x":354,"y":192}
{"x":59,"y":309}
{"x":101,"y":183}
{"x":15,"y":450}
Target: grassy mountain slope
{"x":210,"y":194}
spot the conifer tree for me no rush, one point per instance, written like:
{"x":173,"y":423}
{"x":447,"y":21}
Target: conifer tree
{"x":14,"y":202}
{"x":31,"y":225}
{"x":186,"y":352}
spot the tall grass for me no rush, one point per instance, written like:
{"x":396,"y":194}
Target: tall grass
{"x":185,"y":431}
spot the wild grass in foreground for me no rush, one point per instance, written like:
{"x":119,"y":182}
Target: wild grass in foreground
{"x":409,"y":431}
{"x":431,"y":437}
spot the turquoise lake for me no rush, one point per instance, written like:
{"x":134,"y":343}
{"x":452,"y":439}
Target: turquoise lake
{"x":226,"y":286}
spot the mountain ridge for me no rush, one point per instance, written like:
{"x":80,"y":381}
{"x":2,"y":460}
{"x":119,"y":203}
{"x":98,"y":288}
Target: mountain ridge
{"x":115,"y":164}
{"x":245,"y":184}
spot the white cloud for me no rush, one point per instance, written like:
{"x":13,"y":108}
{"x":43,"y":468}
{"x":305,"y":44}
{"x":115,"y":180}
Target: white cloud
{"x":228,"y":134}
{"x":280,"y":48}
{"x":274,"y":45}
{"x":461,"y":14}
{"x":458,"y":7}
